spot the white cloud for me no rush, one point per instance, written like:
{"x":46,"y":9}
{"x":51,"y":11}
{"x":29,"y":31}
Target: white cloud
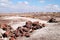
{"x":26,"y":2}
{"x":52,"y":7}
{"x":4,"y":0}
{"x":42,"y":1}
{"x":23,"y":6}
{"x":18,"y":7}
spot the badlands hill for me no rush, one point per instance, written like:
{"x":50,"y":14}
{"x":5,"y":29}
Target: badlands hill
{"x":50,"y":32}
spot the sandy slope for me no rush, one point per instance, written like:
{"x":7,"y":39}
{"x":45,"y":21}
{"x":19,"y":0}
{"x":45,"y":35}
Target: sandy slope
{"x":47,"y":33}
{"x":50,"y":32}
{"x":21,"y":23}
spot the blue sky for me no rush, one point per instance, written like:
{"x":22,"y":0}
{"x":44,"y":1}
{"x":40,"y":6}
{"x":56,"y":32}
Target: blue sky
{"x":38,"y":3}
{"x":29,"y":5}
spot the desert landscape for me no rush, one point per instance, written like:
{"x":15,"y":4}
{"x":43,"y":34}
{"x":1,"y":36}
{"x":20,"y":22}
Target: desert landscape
{"x":51,"y":31}
{"x":29,"y":19}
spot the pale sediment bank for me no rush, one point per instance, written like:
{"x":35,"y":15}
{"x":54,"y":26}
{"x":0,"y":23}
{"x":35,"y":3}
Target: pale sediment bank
{"x":50,"y":32}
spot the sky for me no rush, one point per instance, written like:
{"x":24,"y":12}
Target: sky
{"x":29,"y":6}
